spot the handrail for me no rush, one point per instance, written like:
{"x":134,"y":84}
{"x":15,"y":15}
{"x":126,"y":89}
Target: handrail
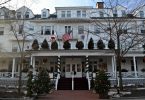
{"x":73,"y":81}
{"x":56,"y":82}
{"x":88,"y":78}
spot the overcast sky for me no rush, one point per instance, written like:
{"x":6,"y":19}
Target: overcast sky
{"x":38,"y":5}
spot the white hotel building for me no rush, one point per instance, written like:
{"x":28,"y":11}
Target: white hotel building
{"x":78,"y":19}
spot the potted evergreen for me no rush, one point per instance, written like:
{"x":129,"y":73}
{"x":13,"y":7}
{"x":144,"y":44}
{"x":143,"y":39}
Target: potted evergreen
{"x":79,"y":45}
{"x":91,"y":44}
{"x":100,"y":44}
{"x":111,"y":44}
{"x":102,"y":84}
{"x":35,"y":45}
{"x":66,"y":45}
{"x":44,"y":44}
{"x":54,"y":45}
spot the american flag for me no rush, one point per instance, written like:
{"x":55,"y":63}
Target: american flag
{"x":67,"y":36}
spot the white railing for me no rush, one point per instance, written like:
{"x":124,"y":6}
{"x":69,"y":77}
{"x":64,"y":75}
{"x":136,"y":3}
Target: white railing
{"x":73,"y":81}
{"x":57,"y":79}
{"x":88,"y":78}
{"x":9,"y":75}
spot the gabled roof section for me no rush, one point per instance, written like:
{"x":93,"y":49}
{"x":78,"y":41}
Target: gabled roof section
{"x":25,"y":8}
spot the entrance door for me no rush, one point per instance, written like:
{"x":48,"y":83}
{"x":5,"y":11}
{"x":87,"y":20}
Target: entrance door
{"x":73,"y":69}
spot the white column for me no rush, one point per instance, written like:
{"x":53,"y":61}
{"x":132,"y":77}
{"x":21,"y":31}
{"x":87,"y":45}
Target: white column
{"x":134,"y":63}
{"x":58,"y":64}
{"x":33,"y":64}
{"x":31,"y":61}
{"x":13,"y":67}
{"x":115,"y":68}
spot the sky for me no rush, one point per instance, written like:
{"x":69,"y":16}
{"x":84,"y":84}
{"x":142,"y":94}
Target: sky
{"x":37,"y":5}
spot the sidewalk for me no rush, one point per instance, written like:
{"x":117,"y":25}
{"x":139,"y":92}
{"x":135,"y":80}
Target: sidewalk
{"x":70,"y":95}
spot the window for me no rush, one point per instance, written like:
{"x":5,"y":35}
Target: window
{"x":141,"y":14}
{"x":43,"y":14}
{"x":27,"y":15}
{"x":78,"y":13}
{"x":142,"y":30}
{"x":80,"y":29}
{"x":47,"y":30}
{"x":123,"y":13}
{"x":67,"y":29}
{"x":18,"y":15}
{"x":63,"y":14}
{"x":115,"y":13}
{"x":1,"y":30}
{"x":96,"y":30}
{"x":20,"y":29}
{"x":41,"y":30}
{"x":101,"y":14}
{"x":83,"y":13}
{"x":69,"y":14}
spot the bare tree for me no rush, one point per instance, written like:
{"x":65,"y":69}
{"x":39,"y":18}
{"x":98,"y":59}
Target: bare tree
{"x":125,"y":30}
{"x":20,"y":31}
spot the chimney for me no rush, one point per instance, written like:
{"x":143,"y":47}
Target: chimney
{"x":100,"y":5}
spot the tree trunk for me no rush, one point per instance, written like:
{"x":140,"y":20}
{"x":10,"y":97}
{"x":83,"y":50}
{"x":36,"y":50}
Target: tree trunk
{"x":119,"y":61}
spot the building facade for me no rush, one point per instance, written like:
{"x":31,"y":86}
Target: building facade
{"x":20,"y":28}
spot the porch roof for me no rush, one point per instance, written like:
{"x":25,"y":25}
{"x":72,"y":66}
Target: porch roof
{"x":73,"y":52}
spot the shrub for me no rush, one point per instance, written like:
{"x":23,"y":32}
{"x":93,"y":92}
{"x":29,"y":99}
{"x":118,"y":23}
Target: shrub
{"x":100,"y":44}
{"x":44,"y":44}
{"x":102,"y":84}
{"x":66,"y":45}
{"x":35,"y":45}
{"x":111,"y":44}
{"x":54,"y":45}
{"x":42,"y":82}
{"x":79,"y":45}
{"x":91,"y":44}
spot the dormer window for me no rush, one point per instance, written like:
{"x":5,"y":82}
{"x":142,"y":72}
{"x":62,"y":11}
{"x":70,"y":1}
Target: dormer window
{"x":27,"y":15}
{"x":115,"y":13}
{"x":68,"y":14}
{"x":43,"y":14}
{"x":78,"y":13}
{"x":101,"y":14}
{"x":84,"y":14}
{"x":123,"y":13}
{"x":18,"y":15}
{"x":63,"y":14}
{"x":141,"y":14}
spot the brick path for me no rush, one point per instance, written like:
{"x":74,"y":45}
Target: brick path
{"x":70,"y":95}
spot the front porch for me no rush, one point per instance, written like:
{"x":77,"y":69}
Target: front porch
{"x":84,"y":63}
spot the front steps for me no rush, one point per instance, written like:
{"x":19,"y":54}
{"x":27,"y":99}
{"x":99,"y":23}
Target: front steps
{"x":80,"y":84}
{"x":66,"y":84}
